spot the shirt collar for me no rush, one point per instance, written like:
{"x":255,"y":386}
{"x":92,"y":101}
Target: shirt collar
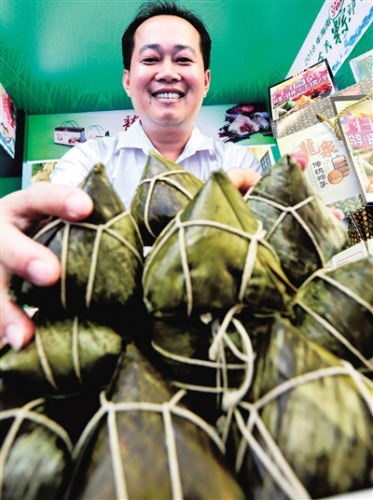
{"x":197,"y":142}
{"x":135,"y":137}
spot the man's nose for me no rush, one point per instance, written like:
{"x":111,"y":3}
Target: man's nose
{"x":168,"y":70}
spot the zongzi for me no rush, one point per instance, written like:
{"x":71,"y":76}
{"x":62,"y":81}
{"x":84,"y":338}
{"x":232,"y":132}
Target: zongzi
{"x":212,"y":256}
{"x":67,"y":355}
{"x":303,"y":232}
{"x":35,"y":458}
{"x":101,"y":257}
{"x":335,"y":309}
{"x":144,"y":443}
{"x":304,"y":429}
{"x":164,"y":189}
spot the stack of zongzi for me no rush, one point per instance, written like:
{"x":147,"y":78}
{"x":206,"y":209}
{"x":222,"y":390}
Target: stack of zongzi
{"x":229,"y":383}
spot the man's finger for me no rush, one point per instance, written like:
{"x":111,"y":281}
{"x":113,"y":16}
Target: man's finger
{"x":25,"y":257}
{"x":43,"y":198}
{"x":16,"y":328}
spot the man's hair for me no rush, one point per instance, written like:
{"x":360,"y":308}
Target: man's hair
{"x":161,"y":8}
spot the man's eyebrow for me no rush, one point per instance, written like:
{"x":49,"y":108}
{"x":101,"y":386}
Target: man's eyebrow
{"x":157,"y":46}
{"x":154,"y":46}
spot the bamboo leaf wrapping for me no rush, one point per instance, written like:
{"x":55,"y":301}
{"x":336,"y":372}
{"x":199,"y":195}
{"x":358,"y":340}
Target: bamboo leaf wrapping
{"x":164,"y":189}
{"x":101,"y":257}
{"x":304,"y":430}
{"x":303,"y":232}
{"x":143,"y":443}
{"x":35,"y":458}
{"x":335,"y":309}
{"x":67,"y":355}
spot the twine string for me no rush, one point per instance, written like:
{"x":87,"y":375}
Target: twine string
{"x":173,"y":463}
{"x":100,"y":229}
{"x":64,"y":257}
{"x":20,"y":415}
{"x":162,"y":177}
{"x":116,"y":456}
{"x":75,"y":349}
{"x":166,"y":410}
{"x":44,"y":363}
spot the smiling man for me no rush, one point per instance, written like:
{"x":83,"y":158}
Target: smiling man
{"x":166,"y":56}
{"x":167,"y":81}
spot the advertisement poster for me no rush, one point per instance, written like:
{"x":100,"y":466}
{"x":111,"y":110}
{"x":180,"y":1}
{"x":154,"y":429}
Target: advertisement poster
{"x":8,"y":123}
{"x":356,"y":126}
{"x":328,"y":171}
{"x":297,"y":92}
{"x":337,"y":29}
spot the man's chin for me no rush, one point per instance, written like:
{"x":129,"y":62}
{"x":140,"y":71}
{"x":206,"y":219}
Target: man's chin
{"x":169,"y":121}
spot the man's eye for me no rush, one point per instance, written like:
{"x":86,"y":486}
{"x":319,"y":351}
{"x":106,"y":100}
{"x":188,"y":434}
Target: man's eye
{"x":149,"y":60}
{"x":184,"y":60}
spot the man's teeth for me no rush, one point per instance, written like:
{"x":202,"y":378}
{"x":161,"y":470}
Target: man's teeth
{"x":168,"y":95}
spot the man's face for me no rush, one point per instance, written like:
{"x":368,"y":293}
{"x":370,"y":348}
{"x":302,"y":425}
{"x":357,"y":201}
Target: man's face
{"x":166,"y":81}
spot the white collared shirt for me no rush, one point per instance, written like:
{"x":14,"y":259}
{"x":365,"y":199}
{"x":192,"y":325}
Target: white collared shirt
{"x":124,"y":157}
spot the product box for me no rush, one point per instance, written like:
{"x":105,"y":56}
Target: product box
{"x":308,"y":116}
{"x":301,"y":90}
{"x":69,"y":136}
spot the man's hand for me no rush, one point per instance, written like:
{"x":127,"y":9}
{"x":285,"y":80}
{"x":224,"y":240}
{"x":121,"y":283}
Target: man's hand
{"x":243,"y":178}
{"x":246,"y":178}
{"x":19,"y":254}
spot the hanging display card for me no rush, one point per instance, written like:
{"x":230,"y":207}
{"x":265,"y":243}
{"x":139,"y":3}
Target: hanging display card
{"x":328,"y":170}
{"x":356,"y":128}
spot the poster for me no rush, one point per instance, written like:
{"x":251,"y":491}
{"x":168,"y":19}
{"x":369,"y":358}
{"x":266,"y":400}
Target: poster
{"x":337,"y":29}
{"x":8,"y":123}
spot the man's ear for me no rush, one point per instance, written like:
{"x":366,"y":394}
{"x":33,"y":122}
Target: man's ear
{"x":207,"y":81}
{"x":126,"y":82}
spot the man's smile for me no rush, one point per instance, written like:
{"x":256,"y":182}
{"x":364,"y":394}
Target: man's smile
{"x":168,"y":95}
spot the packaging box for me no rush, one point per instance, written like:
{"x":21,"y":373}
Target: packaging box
{"x":69,"y":136}
{"x":307,"y":116}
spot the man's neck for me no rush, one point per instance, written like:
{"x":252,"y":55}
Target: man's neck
{"x":170,"y":143}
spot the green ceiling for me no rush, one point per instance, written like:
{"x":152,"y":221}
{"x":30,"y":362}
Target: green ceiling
{"x":65,"y":55}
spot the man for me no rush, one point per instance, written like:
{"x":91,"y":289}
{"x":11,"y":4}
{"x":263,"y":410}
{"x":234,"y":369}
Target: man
{"x":166,"y":56}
